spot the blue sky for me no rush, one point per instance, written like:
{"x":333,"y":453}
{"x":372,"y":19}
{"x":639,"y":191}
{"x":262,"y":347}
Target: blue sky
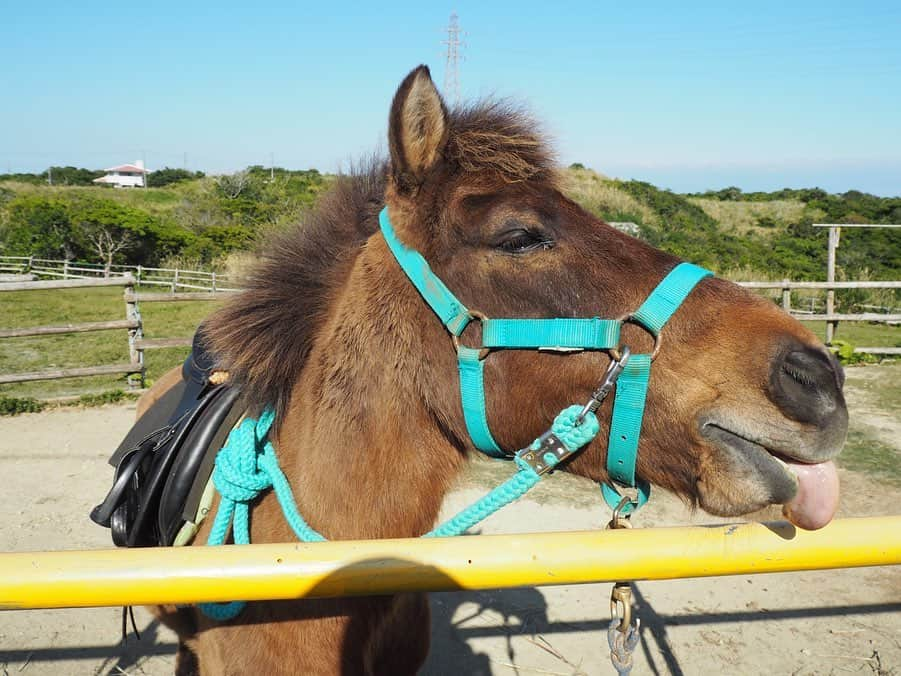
{"x":689,"y":96}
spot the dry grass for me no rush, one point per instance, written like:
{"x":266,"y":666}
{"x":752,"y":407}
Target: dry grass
{"x":742,"y":217}
{"x":597,"y":194}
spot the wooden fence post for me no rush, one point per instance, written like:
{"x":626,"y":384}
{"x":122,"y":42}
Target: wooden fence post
{"x":830,"y":277}
{"x":135,"y":355}
{"x":786,"y":296}
{"x":214,"y":282}
{"x":66,"y":269}
{"x":175,"y":280}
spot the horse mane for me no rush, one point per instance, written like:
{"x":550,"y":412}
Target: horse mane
{"x":263,"y":335}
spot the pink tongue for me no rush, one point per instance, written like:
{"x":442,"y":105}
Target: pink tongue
{"x":817,"y":499}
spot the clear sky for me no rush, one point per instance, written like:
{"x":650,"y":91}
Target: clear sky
{"x":686,"y":95}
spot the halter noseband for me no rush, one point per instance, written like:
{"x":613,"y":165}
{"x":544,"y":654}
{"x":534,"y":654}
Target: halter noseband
{"x":555,"y":334}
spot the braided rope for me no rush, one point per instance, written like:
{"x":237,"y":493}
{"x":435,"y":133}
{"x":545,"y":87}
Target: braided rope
{"x":567,"y":429}
{"x":247,"y":465}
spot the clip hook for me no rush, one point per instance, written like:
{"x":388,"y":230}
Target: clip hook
{"x":610,"y":377}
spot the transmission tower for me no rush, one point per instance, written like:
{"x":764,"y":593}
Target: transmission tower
{"x":451,"y":65}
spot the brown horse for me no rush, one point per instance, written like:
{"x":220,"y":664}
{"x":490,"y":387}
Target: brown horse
{"x":745,"y":406}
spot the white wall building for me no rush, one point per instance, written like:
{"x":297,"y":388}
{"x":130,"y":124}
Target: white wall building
{"x":125,"y":175}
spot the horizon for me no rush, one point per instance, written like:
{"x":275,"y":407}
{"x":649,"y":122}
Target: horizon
{"x":277,"y":169}
{"x":689,"y":99}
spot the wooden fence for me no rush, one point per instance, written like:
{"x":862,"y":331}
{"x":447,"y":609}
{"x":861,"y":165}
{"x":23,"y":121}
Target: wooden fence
{"x":173,"y":278}
{"x":831,"y":317}
{"x":137,"y":344}
{"x":132,"y":323}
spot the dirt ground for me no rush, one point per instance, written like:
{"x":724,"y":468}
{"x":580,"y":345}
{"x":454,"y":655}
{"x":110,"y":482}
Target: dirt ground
{"x":834,"y":622}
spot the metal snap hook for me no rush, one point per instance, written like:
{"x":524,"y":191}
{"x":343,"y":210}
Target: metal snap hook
{"x":621,"y":599}
{"x":614,"y":369}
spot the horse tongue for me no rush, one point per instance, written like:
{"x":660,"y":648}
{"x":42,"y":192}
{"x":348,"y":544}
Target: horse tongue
{"x":816,"y":501}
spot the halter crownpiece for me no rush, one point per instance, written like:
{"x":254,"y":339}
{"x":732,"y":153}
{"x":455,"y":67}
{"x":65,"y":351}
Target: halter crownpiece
{"x":630,"y":373}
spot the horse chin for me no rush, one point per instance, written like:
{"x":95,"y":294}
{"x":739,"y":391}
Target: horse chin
{"x":743,"y":474}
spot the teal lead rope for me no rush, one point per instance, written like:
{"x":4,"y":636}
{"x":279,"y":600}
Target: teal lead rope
{"x":572,"y":434}
{"x":247,"y":465}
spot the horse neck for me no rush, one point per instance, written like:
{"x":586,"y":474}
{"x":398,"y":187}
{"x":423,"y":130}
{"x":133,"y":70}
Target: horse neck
{"x":365,"y":455}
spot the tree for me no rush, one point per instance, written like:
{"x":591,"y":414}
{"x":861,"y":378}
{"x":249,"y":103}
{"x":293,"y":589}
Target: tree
{"x":107,"y":242}
{"x":168,"y":176}
{"x":232,"y":186}
{"x":71,"y":175}
{"x":39,"y":226}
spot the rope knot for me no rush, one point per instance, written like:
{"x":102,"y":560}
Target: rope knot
{"x":238,"y":475}
{"x":572,"y":434}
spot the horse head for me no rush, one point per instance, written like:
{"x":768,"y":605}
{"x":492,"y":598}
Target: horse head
{"x":745,"y":405}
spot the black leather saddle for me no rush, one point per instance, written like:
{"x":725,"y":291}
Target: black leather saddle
{"x":166,"y":459}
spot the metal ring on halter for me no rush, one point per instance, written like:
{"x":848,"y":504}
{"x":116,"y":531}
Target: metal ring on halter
{"x":628,"y":318}
{"x":480,"y":317}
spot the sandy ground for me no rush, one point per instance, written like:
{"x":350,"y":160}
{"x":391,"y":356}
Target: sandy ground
{"x":53,"y":470}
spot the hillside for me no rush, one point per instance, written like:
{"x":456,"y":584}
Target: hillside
{"x":196,"y":219}
{"x":754,"y":235}
{"x":202,"y":220}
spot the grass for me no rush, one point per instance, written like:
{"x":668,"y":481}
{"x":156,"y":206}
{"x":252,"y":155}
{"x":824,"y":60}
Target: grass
{"x":861,"y":334}
{"x":742,"y":217}
{"x":598,"y":195}
{"x":872,"y":446}
{"x":40,"y":308}
{"x":156,"y":201}
{"x":864,"y":453}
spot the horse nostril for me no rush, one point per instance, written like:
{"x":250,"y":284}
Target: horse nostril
{"x":802,"y":368}
{"x":806,"y":383}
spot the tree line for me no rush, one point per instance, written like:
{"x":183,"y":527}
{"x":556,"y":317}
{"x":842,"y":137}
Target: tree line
{"x":188,"y":215}
{"x":203,"y":218}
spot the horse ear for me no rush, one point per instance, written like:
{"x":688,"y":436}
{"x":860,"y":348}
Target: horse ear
{"x":417,"y":128}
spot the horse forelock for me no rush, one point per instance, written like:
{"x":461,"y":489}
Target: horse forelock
{"x":498,"y":136}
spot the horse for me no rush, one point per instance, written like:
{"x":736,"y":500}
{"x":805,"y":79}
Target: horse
{"x":744,"y":409}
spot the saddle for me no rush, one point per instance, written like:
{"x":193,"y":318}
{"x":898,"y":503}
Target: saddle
{"x":165,"y":461}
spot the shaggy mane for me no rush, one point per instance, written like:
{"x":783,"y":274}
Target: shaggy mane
{"x":263,"y":335}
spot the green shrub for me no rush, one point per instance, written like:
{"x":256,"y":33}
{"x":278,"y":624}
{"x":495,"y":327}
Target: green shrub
{"x":16,"y":405}
{"x":847,"y":356}
{"x":108,"y":397}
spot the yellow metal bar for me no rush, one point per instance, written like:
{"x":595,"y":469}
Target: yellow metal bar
{"x":353,"y":568}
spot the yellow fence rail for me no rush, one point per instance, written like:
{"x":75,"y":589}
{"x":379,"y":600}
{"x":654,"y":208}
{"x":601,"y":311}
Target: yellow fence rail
{"x":356,"y":568}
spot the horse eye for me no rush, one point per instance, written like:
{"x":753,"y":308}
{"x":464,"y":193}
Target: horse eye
{"x":523,"y":241}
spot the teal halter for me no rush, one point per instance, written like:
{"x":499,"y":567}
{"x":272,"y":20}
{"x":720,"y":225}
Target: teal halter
{"x":555,"y":334}
{"x":247,"y":464}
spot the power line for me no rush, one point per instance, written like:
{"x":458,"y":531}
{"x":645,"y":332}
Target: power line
{"x":451,"y":65}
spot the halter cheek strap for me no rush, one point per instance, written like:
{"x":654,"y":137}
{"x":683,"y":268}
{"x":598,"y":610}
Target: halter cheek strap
{"x":632,"y":385}
{"x":561,"y":334}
